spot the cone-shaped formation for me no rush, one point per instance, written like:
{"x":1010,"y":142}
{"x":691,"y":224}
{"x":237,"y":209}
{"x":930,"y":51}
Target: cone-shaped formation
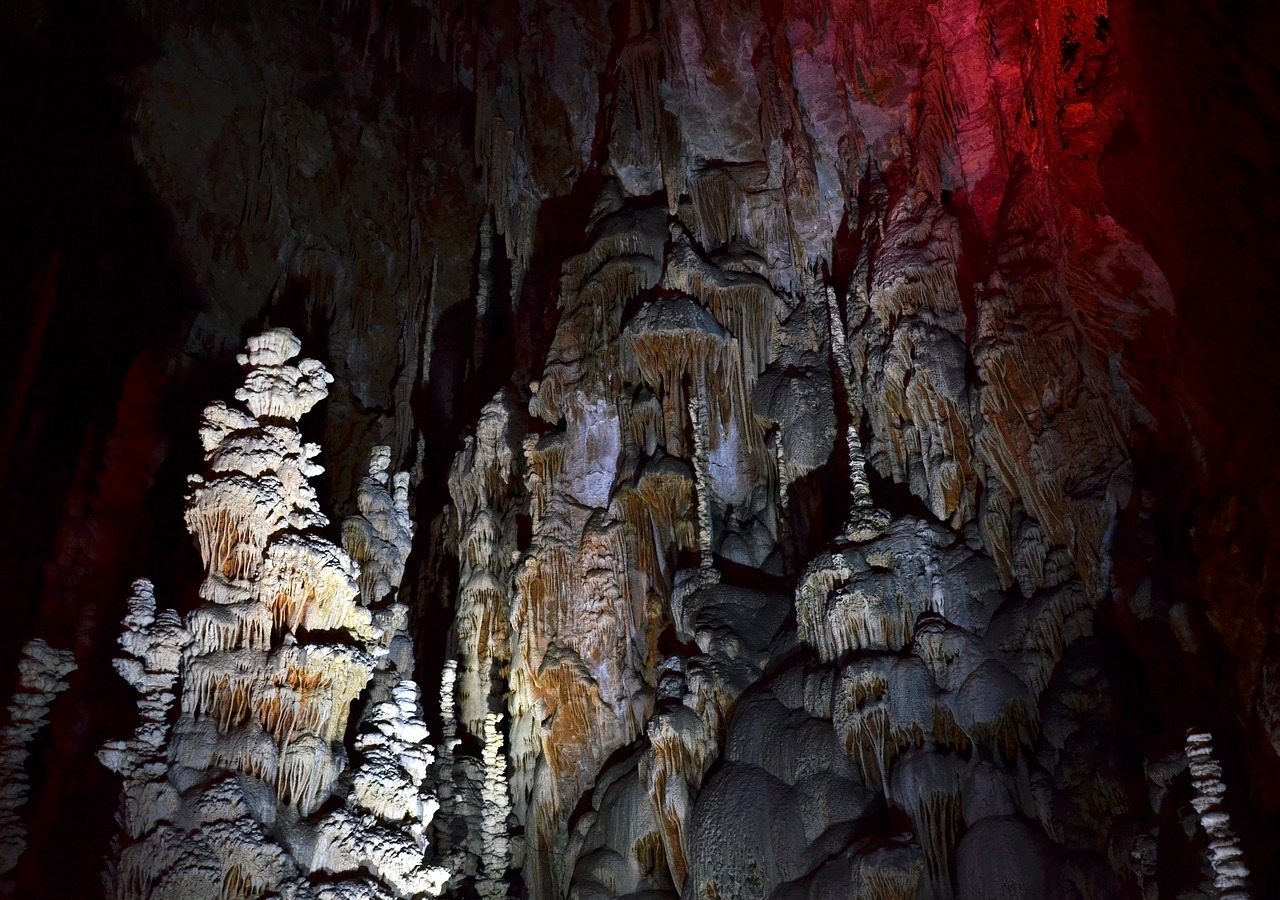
{"x":269,"y":667}
{"x":256,"y":698}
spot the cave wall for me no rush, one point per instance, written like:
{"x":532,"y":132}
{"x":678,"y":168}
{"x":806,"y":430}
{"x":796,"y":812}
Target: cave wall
{"x":753,"y":365}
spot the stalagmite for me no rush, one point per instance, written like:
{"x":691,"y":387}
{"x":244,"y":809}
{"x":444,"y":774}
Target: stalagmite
{"x":154,"y":642}
{"x":266,"y":688}
{"x":304,"y":582}
{"x":448,"y":717}
{"x":1230,"y":872}
{"x":482,"y":483}
{"x":865,"y":521}
{"x":42,"y":673}
{"x":496,"y":857}
{"x":699,"y":416}
{"x":272,"y":388}
{"x":457,"y":828}
{"x":686,"y":732}
{"x":379,"y":539}
{"x":382,"y":830}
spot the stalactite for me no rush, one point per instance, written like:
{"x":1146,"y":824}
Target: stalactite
{"x":669,"y":343}
{"x":836,"y":615}
{"x":640,"y":62}
{"x":232,"y":626}
{"x":927,"y":786}
{"x":672,"y":772}
{"x":861,"y":717}
{"x":742,"y":303}
{"x":669,"y":497}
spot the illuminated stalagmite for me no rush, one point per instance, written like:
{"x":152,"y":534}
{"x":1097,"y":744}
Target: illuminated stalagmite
{"x":1230,"y":872}
{"x":228,"y":803}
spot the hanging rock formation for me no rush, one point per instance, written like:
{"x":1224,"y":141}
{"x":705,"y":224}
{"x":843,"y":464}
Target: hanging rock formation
{"x":814,"y":419}
{"x":692,"y":385}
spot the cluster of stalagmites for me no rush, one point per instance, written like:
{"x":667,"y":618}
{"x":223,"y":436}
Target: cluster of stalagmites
{"x":476,"y":824}
{"x":229,"y":802}
{"x":671,"y":733}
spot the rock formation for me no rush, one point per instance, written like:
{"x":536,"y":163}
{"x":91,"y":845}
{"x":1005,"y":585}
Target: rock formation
{"x":230,"y":801}
{"x":1230,"y":872}
{"x":812,"y":415}
{"x":42,"y":673}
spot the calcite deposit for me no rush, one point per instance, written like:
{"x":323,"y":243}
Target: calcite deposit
{"x":787,"y":438}
{"x":804,"y":256}
{"x":1229,"y":871}
{"x":230,"y":801}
